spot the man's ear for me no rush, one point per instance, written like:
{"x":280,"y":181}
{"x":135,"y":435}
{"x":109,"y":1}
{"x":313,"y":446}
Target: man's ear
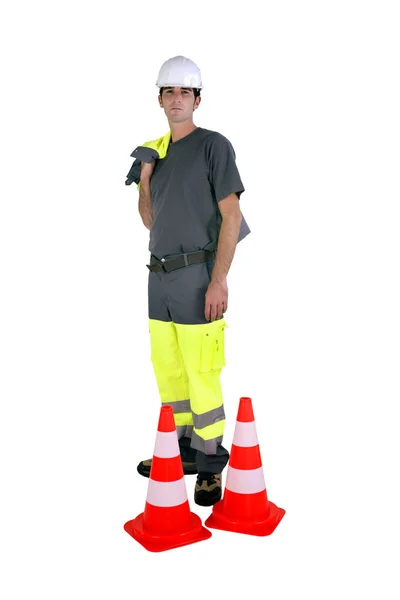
{"x":160,"y":101}
{"x":197,"y":102}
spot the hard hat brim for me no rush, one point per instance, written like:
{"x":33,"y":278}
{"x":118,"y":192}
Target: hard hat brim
{"x":195,"y":87}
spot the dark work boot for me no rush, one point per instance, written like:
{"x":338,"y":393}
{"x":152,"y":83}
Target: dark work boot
{"x":208,"y":489}
{"x":189,"y":468}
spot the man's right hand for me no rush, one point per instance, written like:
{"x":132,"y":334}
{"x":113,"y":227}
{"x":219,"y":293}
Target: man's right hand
{"x":146,"y":171}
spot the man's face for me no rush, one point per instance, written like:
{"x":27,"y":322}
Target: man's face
{"x":178,"y":103}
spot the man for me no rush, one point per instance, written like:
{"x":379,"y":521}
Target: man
{"x":189,"y":190}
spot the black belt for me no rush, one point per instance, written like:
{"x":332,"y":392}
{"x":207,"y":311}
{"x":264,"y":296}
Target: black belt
{"x":177,"y":262}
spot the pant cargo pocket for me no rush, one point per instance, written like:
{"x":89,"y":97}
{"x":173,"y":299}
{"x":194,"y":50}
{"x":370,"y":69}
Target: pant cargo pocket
{"x":213,"y":346}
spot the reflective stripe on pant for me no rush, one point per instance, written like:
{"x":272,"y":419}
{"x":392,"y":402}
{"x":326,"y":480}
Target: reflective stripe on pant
{"x":187,"y":361}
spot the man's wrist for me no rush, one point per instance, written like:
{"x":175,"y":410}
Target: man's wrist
{"x":218,"y":277}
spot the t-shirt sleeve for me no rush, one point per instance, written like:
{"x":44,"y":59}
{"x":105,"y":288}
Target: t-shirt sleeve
{"x":223,"y":173}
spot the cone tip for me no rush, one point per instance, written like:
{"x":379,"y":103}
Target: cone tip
{"x":245,"y":412}
{"x":166,"y":421}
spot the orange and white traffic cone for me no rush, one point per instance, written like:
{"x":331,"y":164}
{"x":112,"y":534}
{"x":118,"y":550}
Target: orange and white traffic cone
{"x":166,"y":522}
{"x":245,"y":507}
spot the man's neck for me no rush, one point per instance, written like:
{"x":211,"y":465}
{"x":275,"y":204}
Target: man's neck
{"x":181,"y":130}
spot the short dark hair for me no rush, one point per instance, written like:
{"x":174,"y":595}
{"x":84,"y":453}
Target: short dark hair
{"x":196,"y":92}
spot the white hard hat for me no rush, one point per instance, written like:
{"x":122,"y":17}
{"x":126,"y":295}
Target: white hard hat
{"x":179,"y":72}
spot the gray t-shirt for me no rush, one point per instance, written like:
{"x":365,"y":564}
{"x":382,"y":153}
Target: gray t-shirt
{"x":198,"y":171}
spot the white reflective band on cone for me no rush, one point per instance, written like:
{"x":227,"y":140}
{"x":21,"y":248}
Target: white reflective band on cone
{"x":245,"y":434}
{"x":161,"y":493}
{"x":245,"y":482}
{"x":166,"y":445}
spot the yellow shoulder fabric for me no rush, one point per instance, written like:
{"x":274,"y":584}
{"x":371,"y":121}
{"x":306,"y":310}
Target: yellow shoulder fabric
{"x":160,"y":145}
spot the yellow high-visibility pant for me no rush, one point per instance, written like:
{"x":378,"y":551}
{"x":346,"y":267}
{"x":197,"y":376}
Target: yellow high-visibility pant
{"x":187,"y":362}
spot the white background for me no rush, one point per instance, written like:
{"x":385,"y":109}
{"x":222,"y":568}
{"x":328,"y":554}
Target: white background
{"x":308,"y":94}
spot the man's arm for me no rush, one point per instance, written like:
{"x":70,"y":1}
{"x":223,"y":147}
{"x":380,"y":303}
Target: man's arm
{"x":217,"y":294}
{"x":145,"y":205}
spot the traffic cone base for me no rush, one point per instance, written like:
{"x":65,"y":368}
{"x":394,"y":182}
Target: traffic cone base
{"x":262,"y":526}
{"x":158,"y":543}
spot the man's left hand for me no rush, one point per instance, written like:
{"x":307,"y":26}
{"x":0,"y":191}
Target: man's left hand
{"x":216,"y":300}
